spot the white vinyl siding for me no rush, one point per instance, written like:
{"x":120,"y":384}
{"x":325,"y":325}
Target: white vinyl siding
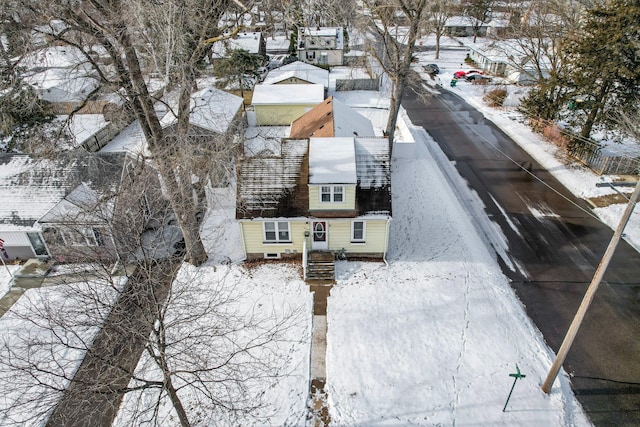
{"x":348,"y":197}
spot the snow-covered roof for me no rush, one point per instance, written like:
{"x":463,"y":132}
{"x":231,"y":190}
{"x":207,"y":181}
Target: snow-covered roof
{"x":332,"y":161}
{"x":373,"y":164}
{"x":62,"y":84}
{"x":29,"y":188}
{"x":53,"y":57}
{"x":348,"y":122}
{"x":83,"y":126}
{"x":267,"y":186}
{"x":301,"y":70}
{"x":83,"y":204}
{"x":212,"y":109}
{"x":286,"y":94}
{"x":459,"y":21}
{"x":246,"y":41}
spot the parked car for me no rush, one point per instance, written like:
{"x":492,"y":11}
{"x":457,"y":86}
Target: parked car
{"x":431,"y":69}
{"x":478,"y":78}
{"x":459,"y":74}
{"x":262,"y":72}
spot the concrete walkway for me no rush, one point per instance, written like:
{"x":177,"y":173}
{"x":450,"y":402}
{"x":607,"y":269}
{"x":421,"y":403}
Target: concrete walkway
{"x":318,"y":407}
{"x":30,"y":275}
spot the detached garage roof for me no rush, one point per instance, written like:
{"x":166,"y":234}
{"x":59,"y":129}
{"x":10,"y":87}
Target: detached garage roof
{"x":211,"y":108}
{"x":312,"y":94}
{"x":300,"y":70}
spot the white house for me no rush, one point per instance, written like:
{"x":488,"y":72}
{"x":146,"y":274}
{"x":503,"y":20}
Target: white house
{"x":321,"y":45}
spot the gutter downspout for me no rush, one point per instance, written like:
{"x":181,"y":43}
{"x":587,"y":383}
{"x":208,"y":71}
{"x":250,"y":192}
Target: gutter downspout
{"x":244,"y":248}
{"x":386,"y":243}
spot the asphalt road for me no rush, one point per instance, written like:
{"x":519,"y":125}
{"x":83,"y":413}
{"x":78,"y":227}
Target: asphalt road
{"x":554,"y":247}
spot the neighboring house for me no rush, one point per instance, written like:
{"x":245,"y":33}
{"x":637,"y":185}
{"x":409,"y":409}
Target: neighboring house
{"x":216,"y":121}
{"x":213,"y":112}
{"x":71,"y":208}
{"x":321,"y":45}
{"x":252,"y":42}
{"x":321,"y":195}
{"x":62,"y":84}
{"x":331,"y":118}
{"x":505,"y":58}
{"x":93,"y":124}
{"x":498,"y":27}
{"x":463,"y":26}
{"x":277,"y":105}
{"x":298,"y":73}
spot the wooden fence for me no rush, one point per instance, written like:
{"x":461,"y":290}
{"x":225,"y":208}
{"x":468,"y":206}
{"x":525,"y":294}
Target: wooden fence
{"x":357,"y":84}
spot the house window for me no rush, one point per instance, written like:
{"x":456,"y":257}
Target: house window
{"x":276,"y":232}
{"x":274,"y":255}
{"x":358,"y":232}
{"x":82,"y":237}
{"x":332,"y":193}
{"x":37,"y":243}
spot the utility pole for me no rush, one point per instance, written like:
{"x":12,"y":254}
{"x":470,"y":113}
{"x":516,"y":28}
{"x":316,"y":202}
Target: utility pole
{"x":591,"y":290}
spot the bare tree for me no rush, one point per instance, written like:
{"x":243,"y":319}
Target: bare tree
{"x":534,"y":46}
{"x":436,"y":16}
{"x":396,"y":26}
{"x":479,"y":11}
{"x":205,"y":346}
{"x":135,"y":40}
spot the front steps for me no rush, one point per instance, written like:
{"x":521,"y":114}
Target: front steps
{"x":321,"y":267}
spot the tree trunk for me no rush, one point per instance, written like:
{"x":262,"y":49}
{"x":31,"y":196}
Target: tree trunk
{"x":176,"y":402}
{"x":402,"y":73}
{"x":587,"y":127}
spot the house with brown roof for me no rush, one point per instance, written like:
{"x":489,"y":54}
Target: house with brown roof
{"x":331,"y":118}
{"x":318,"y":198}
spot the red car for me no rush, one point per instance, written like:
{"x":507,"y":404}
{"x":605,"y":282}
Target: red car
{"x":459,"y":74}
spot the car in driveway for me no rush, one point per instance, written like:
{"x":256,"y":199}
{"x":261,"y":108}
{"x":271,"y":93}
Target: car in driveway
{"x":459,"y":74}
{"x":432,"y":69}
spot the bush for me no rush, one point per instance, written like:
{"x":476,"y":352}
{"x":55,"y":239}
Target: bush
{"x":495,"y":97}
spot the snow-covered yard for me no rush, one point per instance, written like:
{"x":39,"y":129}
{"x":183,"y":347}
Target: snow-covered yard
{"x":430,"y":338}
{"x":46,"y":333}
